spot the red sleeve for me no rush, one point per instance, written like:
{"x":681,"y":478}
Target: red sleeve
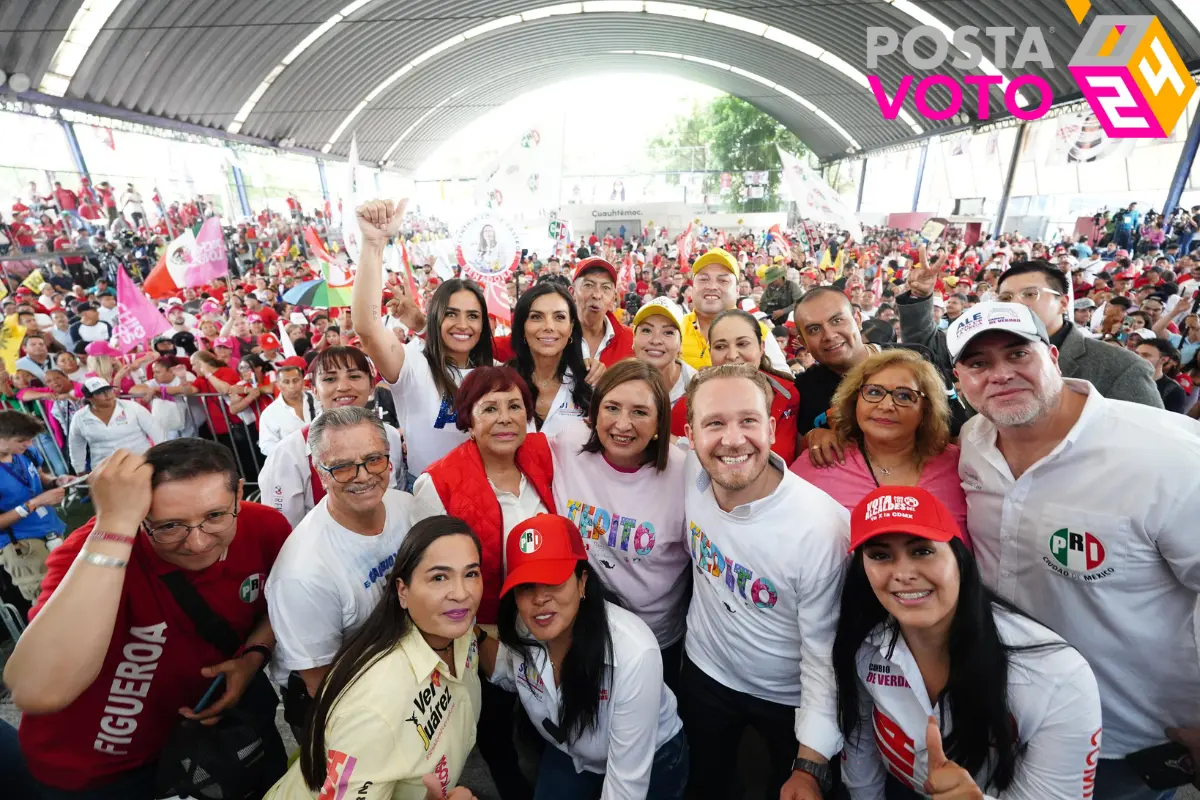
{"x":58,"y":562}
{"x":227,"y":374}
{"x":679,"y":417}
{"x":202,"y":386}
{"x":502,"y":349}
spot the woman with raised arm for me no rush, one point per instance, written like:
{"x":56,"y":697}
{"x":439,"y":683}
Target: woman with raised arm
{"x":425,"y":373}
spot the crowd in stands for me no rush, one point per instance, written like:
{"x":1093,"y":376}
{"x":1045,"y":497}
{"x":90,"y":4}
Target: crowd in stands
{"x":868,"y":498}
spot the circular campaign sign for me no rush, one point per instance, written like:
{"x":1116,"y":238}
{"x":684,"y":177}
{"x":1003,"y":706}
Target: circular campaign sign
{"x":487,"y":249}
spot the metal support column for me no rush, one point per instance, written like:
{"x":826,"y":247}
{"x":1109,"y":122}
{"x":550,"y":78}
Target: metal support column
{"x":239,"y":180}
{"x":1002,"y":211}
{"x":324,"y":182}
{"x":920,"y":175}
{"x":1184,"y":166}
{"x":73,"y":146}
{"x":862,"y":183}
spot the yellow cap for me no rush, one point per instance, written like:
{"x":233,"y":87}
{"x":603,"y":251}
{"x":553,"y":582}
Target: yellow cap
{"x":660,"y":305}
{"x":719,"y":257}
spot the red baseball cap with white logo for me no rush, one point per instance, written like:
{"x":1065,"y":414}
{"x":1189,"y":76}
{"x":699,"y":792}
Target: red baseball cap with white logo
{"x":901,"y":509}
{"x":542,"y":549}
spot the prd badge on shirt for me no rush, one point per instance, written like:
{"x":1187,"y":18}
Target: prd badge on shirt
{"x":1078,"y":555}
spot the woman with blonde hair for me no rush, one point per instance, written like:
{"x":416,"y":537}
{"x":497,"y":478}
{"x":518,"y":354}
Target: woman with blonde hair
{"x":891,"y":416}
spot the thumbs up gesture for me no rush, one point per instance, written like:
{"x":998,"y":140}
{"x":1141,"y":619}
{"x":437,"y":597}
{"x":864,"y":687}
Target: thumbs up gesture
{"x":947,"y":780}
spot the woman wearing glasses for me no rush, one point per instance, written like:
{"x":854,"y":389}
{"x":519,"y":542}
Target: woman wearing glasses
{"x":736,"y":337}
{"x":892,"y":420}
{"x":331,"y":573}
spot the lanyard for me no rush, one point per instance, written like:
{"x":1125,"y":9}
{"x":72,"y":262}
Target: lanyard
{"x":21,"y":474}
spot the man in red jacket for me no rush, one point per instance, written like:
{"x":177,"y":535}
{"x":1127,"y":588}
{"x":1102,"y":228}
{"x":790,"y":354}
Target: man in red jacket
{"x":107,"y":669}
{"x":596,"y":294}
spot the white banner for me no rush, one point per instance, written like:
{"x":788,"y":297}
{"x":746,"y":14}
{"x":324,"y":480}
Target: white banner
{"x":350,"y":201}
{"x":525,"y":181}
{"x":816,"y":199}
{"x":1079,"y":138}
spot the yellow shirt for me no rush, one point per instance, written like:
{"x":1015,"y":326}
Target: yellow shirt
{"x":694,"y":350}
{"x":403,"y":718}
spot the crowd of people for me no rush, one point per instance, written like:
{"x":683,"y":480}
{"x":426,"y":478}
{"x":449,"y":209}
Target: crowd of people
{"x":857,"y":499}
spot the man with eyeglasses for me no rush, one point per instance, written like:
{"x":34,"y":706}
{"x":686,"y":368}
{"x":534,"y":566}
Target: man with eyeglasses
{"x":714,"y":289}
{"x":333,"y":569}
{"x":1115,"y":372}
{"x":110,"y":658}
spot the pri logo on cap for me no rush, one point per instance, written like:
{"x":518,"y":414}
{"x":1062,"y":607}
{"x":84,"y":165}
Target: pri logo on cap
{"x":891,"y":506}
{"x":530,"y":541}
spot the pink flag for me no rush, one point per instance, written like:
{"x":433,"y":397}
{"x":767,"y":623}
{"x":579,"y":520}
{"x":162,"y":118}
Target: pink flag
{"x":208,"y":255}
{"x":138,"y":319}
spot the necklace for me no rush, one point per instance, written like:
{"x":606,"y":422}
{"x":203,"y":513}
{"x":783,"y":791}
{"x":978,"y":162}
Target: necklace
{"x":542,"y":384}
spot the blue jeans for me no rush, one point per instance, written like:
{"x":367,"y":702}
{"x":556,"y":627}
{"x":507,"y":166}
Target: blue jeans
{"x":558,"y":779}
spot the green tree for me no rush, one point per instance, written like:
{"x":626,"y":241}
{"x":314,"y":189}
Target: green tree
{"x":736,"y":137}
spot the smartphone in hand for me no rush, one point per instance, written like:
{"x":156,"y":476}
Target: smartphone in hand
{"x":214,"y":691}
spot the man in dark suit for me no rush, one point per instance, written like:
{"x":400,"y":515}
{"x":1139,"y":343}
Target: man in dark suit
{"x":1115,"y":372}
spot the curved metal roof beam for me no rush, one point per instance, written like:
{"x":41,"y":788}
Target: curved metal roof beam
{"x":783,"y":90}
{"x":81,"y":33}
{"x":679,"y":10}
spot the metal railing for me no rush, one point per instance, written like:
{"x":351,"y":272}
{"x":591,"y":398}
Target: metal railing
{"x":242,"y":438}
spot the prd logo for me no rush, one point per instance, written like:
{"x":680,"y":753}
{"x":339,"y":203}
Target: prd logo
{"x":1078,"y":552}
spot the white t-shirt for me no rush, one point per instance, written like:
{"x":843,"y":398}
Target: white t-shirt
{"x":1052,"y":697}
{"x":286,"y":476}
{"x":637,"y":712}
{"x":563,"y":409}
{"x":279,"y":419}
{"x":110,"y":315}
{"x":642,"y":554}
{"x":326,"y":581}
{"x":427,"y":419}
{"x":100,"y":332}
{"x":130,"y":427}
{"x":765,"y":599}
{"x":686,"y":373}
{"x":1113,"y":566}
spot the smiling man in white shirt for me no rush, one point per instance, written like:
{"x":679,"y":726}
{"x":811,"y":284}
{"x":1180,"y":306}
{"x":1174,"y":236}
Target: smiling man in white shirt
{"x":769,"y":551}
{"x":1114,"y":569}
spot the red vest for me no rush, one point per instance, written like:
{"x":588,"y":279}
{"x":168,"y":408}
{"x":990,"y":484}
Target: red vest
{"x":463,"y":487}
{"x":318,"y":488}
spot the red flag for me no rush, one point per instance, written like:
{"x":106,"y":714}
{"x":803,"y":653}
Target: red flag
{"x":282,"y":252}
{"x":783,"y":239}
{"x":411,"y":282}
{"x":497,"y":301}
{"x":625,"y":277}
{"x":159,"y":282}
{"x":315,"y":244}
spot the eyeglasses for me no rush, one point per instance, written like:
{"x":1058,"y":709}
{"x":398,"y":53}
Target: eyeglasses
{"x":344,"y":473}
{"x":175,"y":532}
{"x":1028,"y":295}
{"x":901,"y":395}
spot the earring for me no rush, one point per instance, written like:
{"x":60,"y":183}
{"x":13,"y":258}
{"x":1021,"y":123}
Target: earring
{"x":654,"y":438}
{"x":571,"y":339}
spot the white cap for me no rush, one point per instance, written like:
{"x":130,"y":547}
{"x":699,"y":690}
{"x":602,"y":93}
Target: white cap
{"x":1013,"y":318}
{"x":938,"y":302}
{"x":1145,"y":333}
{"x":94,"y":384}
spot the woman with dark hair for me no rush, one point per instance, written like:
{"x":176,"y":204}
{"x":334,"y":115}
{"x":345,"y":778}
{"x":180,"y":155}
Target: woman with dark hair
{"x":500,"y":476}
{"x":610,"y":721}
{"x":736,"y":337}
{"x":547,"y":342}
{"x":425,"y":373}
{"x":341,"y":376}
{"x":964,"y":695}
{"x":395,"y":717}
{"x":250,"y":396}
{"x":619,"y":479}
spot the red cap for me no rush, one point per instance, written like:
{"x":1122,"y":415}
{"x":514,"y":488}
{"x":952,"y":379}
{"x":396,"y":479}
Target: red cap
{"x":224,"y":341}
{"x":268,"y":341}
{"x":901,"y":509}
{"x":542,"y":549}
{"x":595,"y":263}
{"x":1122,"y":254}
{"x":1127,"y":275}
{"x":295,"y":362}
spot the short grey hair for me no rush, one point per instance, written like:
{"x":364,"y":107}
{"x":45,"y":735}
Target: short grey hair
{"x":335,"y":419}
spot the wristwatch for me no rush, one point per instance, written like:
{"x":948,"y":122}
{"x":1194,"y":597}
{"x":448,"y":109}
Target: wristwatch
{"x":819,"y":771}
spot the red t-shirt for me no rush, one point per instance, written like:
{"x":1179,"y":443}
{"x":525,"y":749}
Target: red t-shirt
{"x":216,"y":407}
{"x":22,"y":234}
{"x":152,"y":668}
{"x":269,"y":318}
{"x":106,"y":197}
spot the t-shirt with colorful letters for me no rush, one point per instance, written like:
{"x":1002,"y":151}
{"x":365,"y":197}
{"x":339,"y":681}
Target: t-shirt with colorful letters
{"x":633,"y":528}
{"x":404,"y":718}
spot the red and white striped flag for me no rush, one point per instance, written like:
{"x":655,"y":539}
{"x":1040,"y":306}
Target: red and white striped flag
{"x":410,"y":281}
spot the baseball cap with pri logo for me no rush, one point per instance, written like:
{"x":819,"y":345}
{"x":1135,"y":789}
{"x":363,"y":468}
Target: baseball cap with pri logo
{"x":1013,"y":318}
{"x":542,"y":549}
{"x":901,"y":509}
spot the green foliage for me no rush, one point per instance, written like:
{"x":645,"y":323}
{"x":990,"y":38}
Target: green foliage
{"x":727,"y":135}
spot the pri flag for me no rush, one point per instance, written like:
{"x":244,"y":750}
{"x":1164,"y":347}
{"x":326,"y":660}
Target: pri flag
{"x":138,"y":319}
{"x":282,"y":251}
{"x":410,"y":283}
{"x":815,"y":198}
{"x":191,"y":259}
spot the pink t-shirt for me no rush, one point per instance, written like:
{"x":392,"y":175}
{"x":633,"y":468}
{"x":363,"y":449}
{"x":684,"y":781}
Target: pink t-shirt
{"x":850,"y":482}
